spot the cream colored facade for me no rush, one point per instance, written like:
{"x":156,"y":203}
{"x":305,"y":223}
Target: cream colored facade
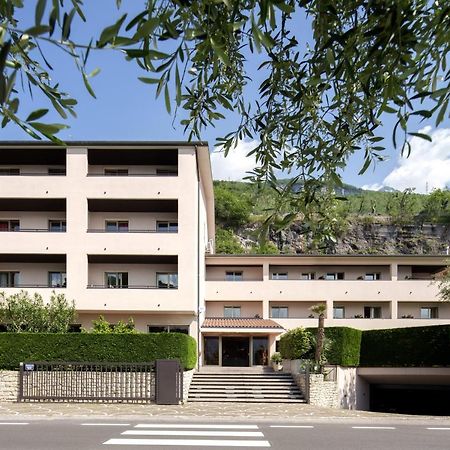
{"x":85,"y":185}
{"x":58,"y":211}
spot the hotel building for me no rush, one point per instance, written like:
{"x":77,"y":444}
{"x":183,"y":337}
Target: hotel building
{"x":126,"y":229}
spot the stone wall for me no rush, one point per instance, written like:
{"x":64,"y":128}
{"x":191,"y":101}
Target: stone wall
{"x":9,"y":385}
{"x":323,"y":393}
{"x":108,"y":384}
{"x":187,"y":378}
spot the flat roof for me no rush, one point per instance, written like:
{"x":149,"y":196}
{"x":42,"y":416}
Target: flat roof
{"x":33,"y":143}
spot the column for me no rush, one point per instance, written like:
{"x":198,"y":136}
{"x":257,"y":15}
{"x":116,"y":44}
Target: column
{"x":329,"y":309}
{"x":394,"y":309}
{"x":265,"y":309}
{"x":394,"y":271}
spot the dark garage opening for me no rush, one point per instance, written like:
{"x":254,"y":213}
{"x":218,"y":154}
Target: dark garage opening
{"x":410,"y":399}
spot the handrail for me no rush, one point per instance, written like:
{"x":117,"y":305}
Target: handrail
{"x":26,"y":285}
{"x":33,"y":174}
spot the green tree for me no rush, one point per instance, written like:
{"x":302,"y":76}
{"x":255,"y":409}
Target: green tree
{"x":437,"y":206}
{"x":320,"y":310}
{"x":295,"y":343}
{"x":318,"y":102}
{"x":23,"y":312}
{"x":227,"y":242}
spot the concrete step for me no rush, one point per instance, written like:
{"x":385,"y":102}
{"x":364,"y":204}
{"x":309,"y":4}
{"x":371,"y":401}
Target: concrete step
{"x":247,"y":400}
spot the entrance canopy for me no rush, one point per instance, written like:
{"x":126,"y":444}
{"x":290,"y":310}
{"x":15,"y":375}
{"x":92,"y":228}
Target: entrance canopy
{"x":241,"y":325}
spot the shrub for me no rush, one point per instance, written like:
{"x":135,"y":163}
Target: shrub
{"x":102,"y":326}
{"x":415,"y":346}
{"x":227,"y":242}
{"x":295,"y":343}
{"x":343,"y":345}
{"x":83,"y":347}
{"x":276,"y":358}
{"x":232,"y":209}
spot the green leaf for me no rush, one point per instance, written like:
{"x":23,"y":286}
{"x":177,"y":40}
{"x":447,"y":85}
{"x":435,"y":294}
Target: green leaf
{"x":48,"y":128}
{"x":147,"y":28}
{"x":218,"y":49}
{"x":39,"y":12}
{"x":37,"y":114}
{"x":109,"y":33}
{"x":422,"y":136}
{"x":67,"y":21}
{"x":149,"y":80}
{"x":441,"y":113}
{"x":37,"y":30}
{"x":88,"y":85}
{"x":167,"y":99}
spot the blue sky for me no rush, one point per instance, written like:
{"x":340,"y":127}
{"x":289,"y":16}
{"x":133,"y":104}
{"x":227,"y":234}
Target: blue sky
{"x":126,"y":109}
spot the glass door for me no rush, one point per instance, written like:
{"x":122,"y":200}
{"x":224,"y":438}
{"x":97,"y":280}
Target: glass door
{"x":260,"y":351}
{"x":211,"y":350}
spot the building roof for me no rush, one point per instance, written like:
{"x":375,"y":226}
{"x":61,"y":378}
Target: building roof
{"x":239,"y":322}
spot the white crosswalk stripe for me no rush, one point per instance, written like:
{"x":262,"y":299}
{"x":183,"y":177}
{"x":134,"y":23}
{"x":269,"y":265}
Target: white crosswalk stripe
{"x":192,"y":435}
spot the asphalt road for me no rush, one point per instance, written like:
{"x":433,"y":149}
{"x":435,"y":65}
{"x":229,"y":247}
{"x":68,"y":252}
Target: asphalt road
{"x":70,"y":434}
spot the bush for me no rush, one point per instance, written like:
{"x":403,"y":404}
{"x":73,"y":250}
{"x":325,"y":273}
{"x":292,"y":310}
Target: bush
{"x":232,"y":209}
{"x":343,"y":345}
{"x":402,"y":347}
{"x":295,"y":343}
{"x":102,"y":326}
{"x":125,"y":348}
{"x":227,"y":242}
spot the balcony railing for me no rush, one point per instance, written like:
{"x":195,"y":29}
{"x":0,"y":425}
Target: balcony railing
{"x":32,"y":174}
{"x":33,"y":286}
{"x":130,"y":286}
{"x":131,"y":230}
{"x":32,"y":230}
{"x":174,"y":174}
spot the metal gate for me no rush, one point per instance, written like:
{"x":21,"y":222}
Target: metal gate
{"x":75,"y":381}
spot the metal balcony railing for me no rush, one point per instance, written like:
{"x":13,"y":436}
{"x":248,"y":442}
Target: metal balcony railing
{"x":131,"y":230}
{"x":130,"y":286}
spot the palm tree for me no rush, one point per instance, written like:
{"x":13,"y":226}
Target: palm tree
{"x":319,"y":309}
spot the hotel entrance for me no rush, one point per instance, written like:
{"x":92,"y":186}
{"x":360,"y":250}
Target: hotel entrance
{"x":236,"y":351}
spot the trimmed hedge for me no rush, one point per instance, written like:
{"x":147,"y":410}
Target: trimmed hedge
{"x":344,"y":345}
{"x":74,"y":347}
{"x":415,"y":346}
{"x":295,"y":343}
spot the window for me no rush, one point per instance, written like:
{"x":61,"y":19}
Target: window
{"x":9,"y":279}
{"x":233,"y":276}
{"x":232,"y":311}
{"x":56,"y":171}
{"x":57,"y":279}
{"x":334,"y":276}
{"x":116,"y":172}
{"x":338,"y":312}
{"x":372,"y":312}
{"x":372,"y":276}
{"x":279,"y":312}
{"x":308,"y":276}
{"x":9,"y":225}
{"x":57,"y":225}
{"x":167,"y":280}
{"x":168,"y":329}
{"x":167,"y":172}
{"x":9,"y":171}
{"x":166,"y":227}
{"x":116,"y":279}
{"x":116,"y":225}
{"x":429,"y":312}
{"x":279,"y":276}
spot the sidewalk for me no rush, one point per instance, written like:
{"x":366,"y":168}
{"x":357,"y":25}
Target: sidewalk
{"x":192,"y":411}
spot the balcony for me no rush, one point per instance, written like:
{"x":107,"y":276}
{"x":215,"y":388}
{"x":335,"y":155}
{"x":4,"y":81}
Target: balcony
{"x":35,"y":273}
{"x":132,"y":162}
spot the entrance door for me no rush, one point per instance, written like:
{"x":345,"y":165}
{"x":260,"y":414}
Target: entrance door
{"x":235,"y":351}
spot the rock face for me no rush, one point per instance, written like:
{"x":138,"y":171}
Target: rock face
{"x":363,"y":238}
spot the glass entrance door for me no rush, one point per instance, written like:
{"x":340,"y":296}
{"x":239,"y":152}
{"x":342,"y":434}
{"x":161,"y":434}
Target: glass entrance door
{"x":260,"y":351}
{"x":235,"y":351}
{"x":211,"y":344}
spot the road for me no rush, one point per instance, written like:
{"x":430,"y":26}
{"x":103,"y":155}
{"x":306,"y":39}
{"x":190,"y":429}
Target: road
{"x":71,"y":434}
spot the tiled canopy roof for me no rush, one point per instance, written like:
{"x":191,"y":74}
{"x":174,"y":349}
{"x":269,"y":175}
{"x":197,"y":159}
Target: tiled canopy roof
{"x":239,"y":322}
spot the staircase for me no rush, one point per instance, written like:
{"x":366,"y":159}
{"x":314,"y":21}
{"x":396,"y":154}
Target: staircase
{"x":229,"y":385}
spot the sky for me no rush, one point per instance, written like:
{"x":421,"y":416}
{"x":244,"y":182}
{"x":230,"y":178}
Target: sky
{"x":126,"y":109}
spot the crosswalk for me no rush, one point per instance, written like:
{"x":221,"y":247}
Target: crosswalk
{"x":191,"y":435}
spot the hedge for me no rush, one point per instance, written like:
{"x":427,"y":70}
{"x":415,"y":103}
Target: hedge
{"x":74,"y":347}
{"x":295,"y":343}
{"x":415,"y":346}
{"x":344,"y":345}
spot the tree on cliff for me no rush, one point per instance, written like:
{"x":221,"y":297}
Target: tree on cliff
{"x":323,"y":97}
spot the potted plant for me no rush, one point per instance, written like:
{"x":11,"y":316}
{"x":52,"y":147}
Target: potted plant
{"x":276,"y":361}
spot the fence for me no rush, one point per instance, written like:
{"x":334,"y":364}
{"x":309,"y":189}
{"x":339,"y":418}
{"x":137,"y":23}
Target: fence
{"x":50,"y":381}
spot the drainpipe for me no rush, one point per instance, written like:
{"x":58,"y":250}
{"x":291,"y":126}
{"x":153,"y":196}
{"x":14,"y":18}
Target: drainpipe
{"x":198,"y":258}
